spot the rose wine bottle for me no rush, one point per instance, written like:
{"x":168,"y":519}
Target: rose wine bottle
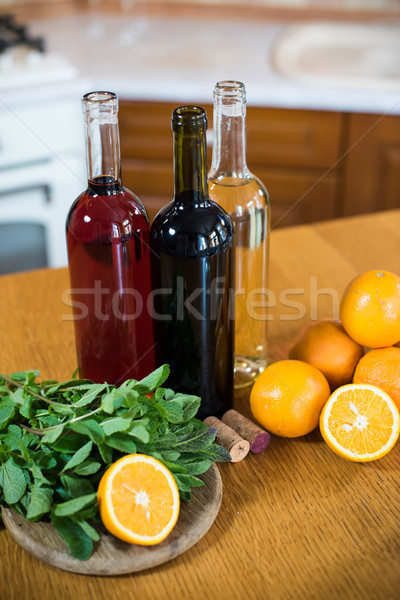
{"x":109,"y":259}
{"x":193,"y":271}
{"x":245,"y":198}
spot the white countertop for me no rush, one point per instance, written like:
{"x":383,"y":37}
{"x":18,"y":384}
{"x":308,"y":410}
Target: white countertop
{"x":181,"y":60}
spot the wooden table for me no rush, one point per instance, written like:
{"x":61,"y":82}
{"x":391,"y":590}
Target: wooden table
{"x":296,"y":521}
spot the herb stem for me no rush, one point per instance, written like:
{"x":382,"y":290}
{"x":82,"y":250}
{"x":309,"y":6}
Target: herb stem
{"x":41,"y":432}
{"x":22,"y":387}
{"x":34,"y":431}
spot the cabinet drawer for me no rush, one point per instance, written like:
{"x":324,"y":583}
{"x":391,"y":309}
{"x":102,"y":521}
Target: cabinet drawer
{"x":145,"y":130}
{"x":293,"y":137}
{"x":148,"y":178}
{"x":372,"y":164}
{"x":300,"y":197}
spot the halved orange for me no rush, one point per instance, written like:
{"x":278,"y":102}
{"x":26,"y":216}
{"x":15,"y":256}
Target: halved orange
{"x":138,"y":500}
{"x":360,"y":422}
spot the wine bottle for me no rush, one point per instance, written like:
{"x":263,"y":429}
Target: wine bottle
{"x":109,"y":259}
{"x":245,"y":198}
{"x":193,"y":272}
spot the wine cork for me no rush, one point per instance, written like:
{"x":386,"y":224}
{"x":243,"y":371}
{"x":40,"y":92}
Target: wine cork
{"x":237,"y":447}
{"x":255,"y":435}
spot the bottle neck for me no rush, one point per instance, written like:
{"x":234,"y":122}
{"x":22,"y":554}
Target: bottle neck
{"x":229,"y":147}
{"x":102,"y":138}
{"x":190,"y":158}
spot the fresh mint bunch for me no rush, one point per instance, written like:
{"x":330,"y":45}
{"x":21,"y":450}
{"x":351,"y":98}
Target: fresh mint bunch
{"x":57,"y":440}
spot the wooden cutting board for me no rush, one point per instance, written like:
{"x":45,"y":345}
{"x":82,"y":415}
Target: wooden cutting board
{"x":112,"y":556}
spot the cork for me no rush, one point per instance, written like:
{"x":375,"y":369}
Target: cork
{"x":247,"y":429}
{"x":237,"y":447}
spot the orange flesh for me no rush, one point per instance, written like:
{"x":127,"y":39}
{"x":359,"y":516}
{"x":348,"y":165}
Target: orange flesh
{"x":361,"y":422}
{"x":142,"y":499}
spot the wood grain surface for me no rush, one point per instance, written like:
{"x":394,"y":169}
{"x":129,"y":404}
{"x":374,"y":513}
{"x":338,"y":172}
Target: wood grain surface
{"x":112,"y":556}
{"x":296,"y":521}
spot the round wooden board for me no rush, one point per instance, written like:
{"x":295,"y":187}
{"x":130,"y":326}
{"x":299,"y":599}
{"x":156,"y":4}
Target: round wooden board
{"x":112,"y":556}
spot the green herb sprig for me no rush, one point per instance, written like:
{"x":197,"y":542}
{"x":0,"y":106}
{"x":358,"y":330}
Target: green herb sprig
{"x":57,"y":440}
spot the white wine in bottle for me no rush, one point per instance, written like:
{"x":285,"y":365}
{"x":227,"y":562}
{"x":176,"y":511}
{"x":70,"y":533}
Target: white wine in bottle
{"x":246,"y":200}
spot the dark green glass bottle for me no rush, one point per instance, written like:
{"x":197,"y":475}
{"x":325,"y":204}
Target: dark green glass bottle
{"x":193,"y":271}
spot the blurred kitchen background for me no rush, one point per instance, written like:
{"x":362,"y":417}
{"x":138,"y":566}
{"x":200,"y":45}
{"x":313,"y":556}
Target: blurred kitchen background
{"x":323,"y":91}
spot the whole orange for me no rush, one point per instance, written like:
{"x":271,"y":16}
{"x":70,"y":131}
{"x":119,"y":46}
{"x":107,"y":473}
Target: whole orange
{"x":326,"y":345}
{"x":370,"y":309}
{"x":288,"y":397}
{"x":381,"y":368}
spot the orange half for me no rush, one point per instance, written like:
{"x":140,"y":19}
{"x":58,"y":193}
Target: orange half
{"x":360,"y":422}
{"x":138,"y":500}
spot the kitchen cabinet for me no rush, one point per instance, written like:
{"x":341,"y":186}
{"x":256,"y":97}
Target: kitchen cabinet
{"x":317,"y":165}
{"x":372,"y":165}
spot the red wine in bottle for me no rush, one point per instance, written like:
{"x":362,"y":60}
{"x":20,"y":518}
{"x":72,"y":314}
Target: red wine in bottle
{"x":109,"y":259}
{"x":193,"y":272}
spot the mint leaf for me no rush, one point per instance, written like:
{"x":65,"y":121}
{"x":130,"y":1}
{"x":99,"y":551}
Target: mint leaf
{"x":13,"y":482}
{"x":52,"y":435}
{"x":106,"y":453}
{"x":114,"y":425}
{"x":88,"y":467}
{"x":38,"y":476}
{"x":152,"y":381}
{"x":217,"y":453}
{"x":197,"y":441}
{"x":112,"y":401}
{"x":172,"y":411}
{"x":12,"y":437}
{"x":75,"y":487}
{"x":75,"y":384}
{"x":198,"y":467}
{"x":140,"y":433}
{"x":7,"y":412}
{"x":79,"y":457}
{"x":190,"y":405}
{"x":79,"y":543}
{"x":122,"y":442}
{"x":188,"y":481}
{"x":40,"y":502}
{"x":69,"y":443}
{"x":90,"y":428}
{"x":93,"y":391}
{"x":88,"y":529}
{"x":71,"y":507}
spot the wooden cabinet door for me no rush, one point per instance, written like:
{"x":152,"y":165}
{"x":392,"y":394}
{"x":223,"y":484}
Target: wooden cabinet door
{"x":295,"y":153}
{"x":372,"y":164}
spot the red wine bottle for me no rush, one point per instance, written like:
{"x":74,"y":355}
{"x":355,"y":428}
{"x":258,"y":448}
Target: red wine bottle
{"x":193,"y":270}
{"x":109,"y":259}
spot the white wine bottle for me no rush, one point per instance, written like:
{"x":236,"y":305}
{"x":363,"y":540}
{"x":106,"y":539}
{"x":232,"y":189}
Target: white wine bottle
{"x":246,"y":200}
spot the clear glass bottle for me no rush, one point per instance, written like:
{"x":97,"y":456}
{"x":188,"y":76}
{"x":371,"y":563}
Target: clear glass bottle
{"x":193,"y":267}
{"x":246,"y":200}
{"x":109,"y":259}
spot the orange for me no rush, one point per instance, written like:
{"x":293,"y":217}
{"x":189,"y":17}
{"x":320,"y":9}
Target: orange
{"x":370,"y":309}
{"x":138,"y":500}
{"x":287,"y":398}
{"x":382,"y":368}
{"x":360,"y":422}
{"x":326,"y":345}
